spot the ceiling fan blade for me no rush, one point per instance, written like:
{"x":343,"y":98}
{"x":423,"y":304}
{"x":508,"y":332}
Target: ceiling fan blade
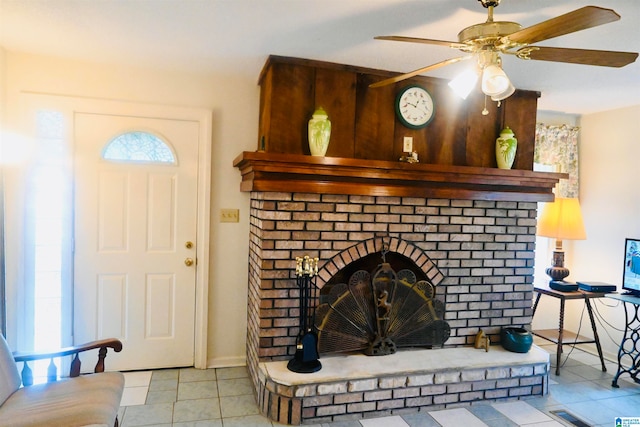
{"x":454,"y":45}
{"x":419,"y":71}
{"x":579,"y":19}
{"x":605,"y":58}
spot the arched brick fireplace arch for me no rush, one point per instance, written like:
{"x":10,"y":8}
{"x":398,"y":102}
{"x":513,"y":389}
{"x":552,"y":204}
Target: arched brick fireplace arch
{"x":375,"y":245}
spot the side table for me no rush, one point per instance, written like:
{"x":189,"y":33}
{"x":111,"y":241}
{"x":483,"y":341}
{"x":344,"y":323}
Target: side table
{"x":560,"y":336}
{"x":629,"y":352}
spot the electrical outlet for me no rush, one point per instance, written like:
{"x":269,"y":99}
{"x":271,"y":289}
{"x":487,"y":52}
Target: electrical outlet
{"x":407,"y":144}
{"x":229,"y":215}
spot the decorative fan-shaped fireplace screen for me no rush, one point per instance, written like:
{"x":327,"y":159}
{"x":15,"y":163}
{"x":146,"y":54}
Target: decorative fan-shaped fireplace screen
{"x":379,"y":311}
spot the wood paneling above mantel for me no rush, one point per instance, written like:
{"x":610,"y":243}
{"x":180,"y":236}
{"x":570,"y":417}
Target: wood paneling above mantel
{"x":456,"y":150}
{"x":364,"y":122}
{"x":294,"y":173}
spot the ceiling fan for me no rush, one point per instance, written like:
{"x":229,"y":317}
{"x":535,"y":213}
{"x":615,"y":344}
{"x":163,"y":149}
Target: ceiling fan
{"x":488,"y":40}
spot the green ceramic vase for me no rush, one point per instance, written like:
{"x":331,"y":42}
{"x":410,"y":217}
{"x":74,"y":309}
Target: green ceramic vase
{"x":319,"y":132}
{"x":506,"y":146}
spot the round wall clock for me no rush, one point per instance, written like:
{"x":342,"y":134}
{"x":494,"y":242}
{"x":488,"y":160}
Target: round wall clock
{"x":415,"y":107}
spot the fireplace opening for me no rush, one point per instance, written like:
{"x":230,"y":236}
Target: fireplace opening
{"x":377,"y":304}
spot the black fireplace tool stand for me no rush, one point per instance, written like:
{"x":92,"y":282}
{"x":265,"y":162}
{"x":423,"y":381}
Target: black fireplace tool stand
{"x":305,"y":359}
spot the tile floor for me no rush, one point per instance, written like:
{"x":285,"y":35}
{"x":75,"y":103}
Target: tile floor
{"x":224,"y":398}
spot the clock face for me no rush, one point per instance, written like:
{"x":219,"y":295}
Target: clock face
{"x":414,"y":107}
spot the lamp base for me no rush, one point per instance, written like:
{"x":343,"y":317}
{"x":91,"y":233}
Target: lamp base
{"x":558,"y":271}
{"x":562,"y":286}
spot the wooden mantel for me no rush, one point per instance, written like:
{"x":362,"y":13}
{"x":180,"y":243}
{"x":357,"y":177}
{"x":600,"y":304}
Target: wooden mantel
{"x":291,"y":173}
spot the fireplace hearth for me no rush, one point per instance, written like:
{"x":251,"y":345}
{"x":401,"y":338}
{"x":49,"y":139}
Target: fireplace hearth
{"x":356,"y":386}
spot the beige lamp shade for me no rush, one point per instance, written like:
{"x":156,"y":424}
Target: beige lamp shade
{"x":562,"y":220}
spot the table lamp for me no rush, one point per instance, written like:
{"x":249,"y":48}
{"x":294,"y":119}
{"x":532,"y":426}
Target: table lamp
{"x":561,"y":220}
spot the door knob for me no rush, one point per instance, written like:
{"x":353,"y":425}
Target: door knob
{"x":188,"y":245}
{"x":188,"y":262}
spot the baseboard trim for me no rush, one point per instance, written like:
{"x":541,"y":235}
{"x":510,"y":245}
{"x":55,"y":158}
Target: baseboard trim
{"x":226,"y":362}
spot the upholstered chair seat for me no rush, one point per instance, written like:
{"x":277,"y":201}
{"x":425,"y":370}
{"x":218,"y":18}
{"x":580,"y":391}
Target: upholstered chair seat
{"x":83,"y":400}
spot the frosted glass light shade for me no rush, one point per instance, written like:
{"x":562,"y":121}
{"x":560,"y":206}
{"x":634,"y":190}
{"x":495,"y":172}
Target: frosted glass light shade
{"x":562,"y":220}
{"x":494,"y":80}
{"x":464,"y":83}
{"x":504,"y":95}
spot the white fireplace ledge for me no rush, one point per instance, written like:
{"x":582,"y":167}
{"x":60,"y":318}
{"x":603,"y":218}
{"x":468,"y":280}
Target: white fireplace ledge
{"x":403,"y":363}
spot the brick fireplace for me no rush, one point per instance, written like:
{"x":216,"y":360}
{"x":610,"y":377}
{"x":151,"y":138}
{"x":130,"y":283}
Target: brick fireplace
{"x":479,"y":252}
{"x":484,"y":250}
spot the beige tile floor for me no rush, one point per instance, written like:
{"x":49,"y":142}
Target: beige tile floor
{"x":224,"y":398}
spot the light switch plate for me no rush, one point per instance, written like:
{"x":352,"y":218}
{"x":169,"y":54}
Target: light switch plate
{"x":229,"y":215}
{"x":407,"y":144}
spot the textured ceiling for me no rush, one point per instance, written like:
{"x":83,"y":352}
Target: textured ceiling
{"x":236,"y":36}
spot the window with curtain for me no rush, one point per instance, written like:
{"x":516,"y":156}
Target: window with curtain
{"x":556,"y":150}
{"x":557,"y":146}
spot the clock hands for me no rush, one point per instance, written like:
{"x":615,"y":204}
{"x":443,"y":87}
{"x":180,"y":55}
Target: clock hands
{"x":417,"y":106}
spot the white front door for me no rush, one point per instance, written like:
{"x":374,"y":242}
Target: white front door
{"x":135,"y":237}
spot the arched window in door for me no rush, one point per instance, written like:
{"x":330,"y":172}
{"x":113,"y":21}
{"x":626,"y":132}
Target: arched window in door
{"x":139,"y":147}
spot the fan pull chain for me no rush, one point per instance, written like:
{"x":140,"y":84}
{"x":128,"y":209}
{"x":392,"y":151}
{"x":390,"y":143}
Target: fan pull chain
{"x":485,"y":112}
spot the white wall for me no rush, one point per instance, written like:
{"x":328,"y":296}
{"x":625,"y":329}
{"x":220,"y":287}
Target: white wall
{"x":609,"y":145}
{"x":234,"y":103}
{"x":610,"y":201}
{"x":552,"y":118}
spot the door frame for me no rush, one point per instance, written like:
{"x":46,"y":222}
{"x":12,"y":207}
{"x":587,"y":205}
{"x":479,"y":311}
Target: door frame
{"x":70,"y":106}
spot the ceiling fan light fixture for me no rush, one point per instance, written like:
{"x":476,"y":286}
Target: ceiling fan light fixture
{"x":486,"y":41}
{"x":494,"y":80}
{"x":464,"y":83}
{"x":504,"y":95}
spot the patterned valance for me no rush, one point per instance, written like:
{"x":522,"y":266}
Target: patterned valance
{"x":558,"y":146}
